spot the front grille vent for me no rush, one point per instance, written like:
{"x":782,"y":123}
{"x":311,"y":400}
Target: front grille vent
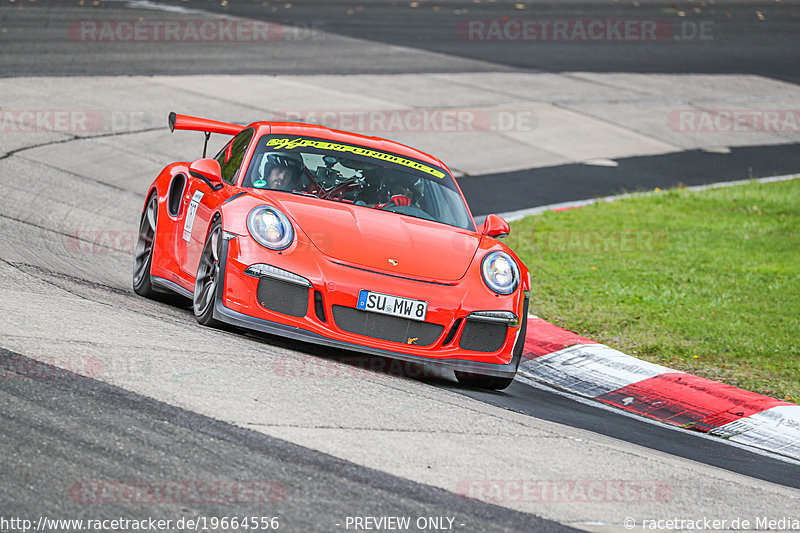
{"x":282,"y":297}
{"x":481,"y":336}
{"x":385,"y":327}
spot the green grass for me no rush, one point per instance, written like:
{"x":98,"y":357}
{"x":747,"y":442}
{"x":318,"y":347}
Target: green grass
{"x":704,"y":282}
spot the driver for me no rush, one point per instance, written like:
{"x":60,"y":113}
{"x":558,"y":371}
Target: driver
{"x":401,"y":190}
{"x":281,"y":171}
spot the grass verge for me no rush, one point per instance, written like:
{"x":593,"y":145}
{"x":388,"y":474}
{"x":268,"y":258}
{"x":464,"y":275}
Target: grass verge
{"x":707,"y":282}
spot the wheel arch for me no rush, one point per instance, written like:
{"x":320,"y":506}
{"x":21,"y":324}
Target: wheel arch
{"x":153,"y":189}
{"x":217,"y":215}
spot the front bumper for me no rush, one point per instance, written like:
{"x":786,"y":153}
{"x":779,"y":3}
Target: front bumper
{"x":337,"y":285}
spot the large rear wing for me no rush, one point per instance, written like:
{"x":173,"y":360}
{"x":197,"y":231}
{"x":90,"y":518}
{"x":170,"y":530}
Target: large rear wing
{"x":185,"y":122}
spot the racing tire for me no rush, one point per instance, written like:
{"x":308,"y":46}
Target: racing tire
{"x":143,"y":252}
{"x":143,"y":258}
{"x":481,"y":381}
{"x":208,"y":278}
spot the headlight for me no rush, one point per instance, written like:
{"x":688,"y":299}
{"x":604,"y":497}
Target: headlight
{"x":270,"y":228}
{"x":500,"y":272}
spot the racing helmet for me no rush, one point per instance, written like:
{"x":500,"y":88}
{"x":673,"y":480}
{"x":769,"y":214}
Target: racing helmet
{"x":291,"y":161}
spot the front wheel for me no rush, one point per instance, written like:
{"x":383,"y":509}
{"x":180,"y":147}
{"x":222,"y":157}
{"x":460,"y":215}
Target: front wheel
{"x":208,"y":278}
{"x":482,"y":381}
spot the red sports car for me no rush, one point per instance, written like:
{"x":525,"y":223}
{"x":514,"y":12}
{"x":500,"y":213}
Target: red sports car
{"x":339,"y":239}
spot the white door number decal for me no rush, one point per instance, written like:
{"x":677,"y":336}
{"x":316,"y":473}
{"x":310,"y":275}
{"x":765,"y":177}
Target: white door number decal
{"x":190,"y":214}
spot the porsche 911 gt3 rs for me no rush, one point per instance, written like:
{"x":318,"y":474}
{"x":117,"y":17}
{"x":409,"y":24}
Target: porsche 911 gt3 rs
{"x":339,"y":239}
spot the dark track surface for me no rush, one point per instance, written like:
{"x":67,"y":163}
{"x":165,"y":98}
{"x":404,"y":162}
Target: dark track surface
{"x":739,"y":41}
{"x":760,"y":37}
{"x":510,"y":191}
{"x":57,"y":455}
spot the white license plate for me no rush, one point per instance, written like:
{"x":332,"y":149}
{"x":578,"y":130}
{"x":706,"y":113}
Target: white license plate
{"x":392,"y":305}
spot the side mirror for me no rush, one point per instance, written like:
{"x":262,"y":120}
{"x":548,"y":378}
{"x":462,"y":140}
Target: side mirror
{"x":208,"y":170}
{"x":494,"y":226}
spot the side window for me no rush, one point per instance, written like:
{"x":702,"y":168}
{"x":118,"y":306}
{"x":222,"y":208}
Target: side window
{"x":230,"y":158}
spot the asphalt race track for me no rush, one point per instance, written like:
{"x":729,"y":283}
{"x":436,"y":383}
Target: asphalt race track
{"x":133,"y":439}
{"x":113,"y":406}
{"x":743,"y":42}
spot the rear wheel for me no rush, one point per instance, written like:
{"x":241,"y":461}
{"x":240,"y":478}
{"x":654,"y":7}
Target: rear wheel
{"x":482,"y":381}
{"x":143,"y":253}
{"x":208,"y":278}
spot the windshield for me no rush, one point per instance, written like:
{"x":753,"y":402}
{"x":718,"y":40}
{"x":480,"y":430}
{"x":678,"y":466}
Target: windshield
{"x":356,"y":175}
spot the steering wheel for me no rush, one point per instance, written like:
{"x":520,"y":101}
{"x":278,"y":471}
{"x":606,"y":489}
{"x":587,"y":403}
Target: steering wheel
{"x":398,"y":200}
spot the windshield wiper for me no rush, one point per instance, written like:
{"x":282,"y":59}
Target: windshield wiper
{"x":304,"y":193}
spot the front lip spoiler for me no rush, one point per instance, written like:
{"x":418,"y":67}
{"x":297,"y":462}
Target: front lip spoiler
{"x":236,"y":318}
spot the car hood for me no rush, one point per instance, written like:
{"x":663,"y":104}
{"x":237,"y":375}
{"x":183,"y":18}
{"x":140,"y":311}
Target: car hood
{"x":376,"y":239}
